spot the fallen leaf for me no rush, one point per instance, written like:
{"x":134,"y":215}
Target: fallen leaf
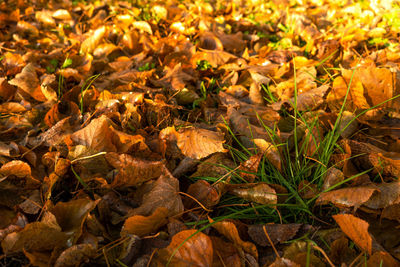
{"x":356,"y":229}
{"x":194,"y":142}
{"x":142,"y":226}
{"x":229,"y":230}
{"x":203,"y":192}
{"x":75,"y":255}
{"x":28,"y":82}
{"x":381,"y":258}
{"x":97,"y":136}
{"x":187,"y":248}
{"x":36,"y":236}
{"x":93,"y":40}
{"x":160,"y":193}
{"x":348,"y":197}
{"x":260,"y":193}
{"x":72,"y":214}
{"x":278,"y":233}
{"x":132,"y":171}
{"x":225,"y":254}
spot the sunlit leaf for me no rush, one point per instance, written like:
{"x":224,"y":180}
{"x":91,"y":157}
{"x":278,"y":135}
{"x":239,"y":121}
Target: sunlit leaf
{"x":229,"y":230}
{"x":187,"y":249}
{"x":141,"y":225}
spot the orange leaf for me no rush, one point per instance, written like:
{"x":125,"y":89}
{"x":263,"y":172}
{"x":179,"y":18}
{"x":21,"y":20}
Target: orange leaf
{"x":196,"y":250}
{"x":142,"y":226}
{"x":347,"y":197}
{"x":356,"y":229}
{"x":229,"y":230}
{"x":133,"y":171}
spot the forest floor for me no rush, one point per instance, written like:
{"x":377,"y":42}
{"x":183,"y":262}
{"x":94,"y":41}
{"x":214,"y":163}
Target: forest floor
{"x":199,"y":133}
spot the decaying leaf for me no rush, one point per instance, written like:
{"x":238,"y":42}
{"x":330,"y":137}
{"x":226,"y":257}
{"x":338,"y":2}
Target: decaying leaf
{"x":36,"y":236}
{"x":93,"y":40}
{"x":133,"y":171}
{"x":28,"y":82}
{"x":71,"y":215}
{"x":229,"y":230}
{"x":162,"y":192}
{"x":141,"y":225}
{"x":75,"y":255}
{"x":348,"y":197}
{"x":277,"y":233}
{"x":225,"y":254}
{"x":195,"y":143}
{"x":204,"y":193}
{"x":260,"y":193}
{"x":187,"y":248}
{"x":356,"y":229}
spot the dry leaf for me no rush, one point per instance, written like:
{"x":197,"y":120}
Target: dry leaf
{"x":347,"y":197}
{"x":194,"y":142}
{"x":160,"y":193}
{"x":229,"y":230}
{"x":278,"y":233}
{"x":36,"y":236}
{"x":28,"y":82}
{"x":75,"y":255}
{"x":71,"y":215}
{"x":260,"y":193}
{"x":187,"y":248}
{"x":225,"y":254}
{"x":97,"y":136}
{"x":356,"y":229}
{"x":93,"y":40}
{"x":142,"y":226}
{"x":203,"y":192}
{"x":132,"y":171}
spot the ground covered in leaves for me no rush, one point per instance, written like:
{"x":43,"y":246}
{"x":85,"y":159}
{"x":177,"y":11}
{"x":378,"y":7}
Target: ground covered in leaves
{"x":199,"y":133}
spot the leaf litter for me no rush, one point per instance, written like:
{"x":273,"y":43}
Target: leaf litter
{"x":199,"y":133}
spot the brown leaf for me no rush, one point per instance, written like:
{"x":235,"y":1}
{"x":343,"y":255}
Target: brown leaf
{"x":347,"y":197}
{"x":370,"y":86}
{"x":75,"y":255}
{"x":307,"y":190}
{"x":241,"y":125}
{"x":97,"y":136}
{"x":282,"y":262}
{"x":332,"y":177}
{"x":142,"y":226}
{"x":28,"y":82}
{"x":381,"y":258}
{"x":72,"y":214}
{"x":214,"y":57}
{"x":391,"y":212}
{"x":60,"y":111}
{"x":229,"y":230}
{"x":356,"y":229}
{"x":194,"y":142}
{"x":225,"y":254}
{"x":278,"y":233}
{"x":160,"y":193}
{"x":203,"y":192}
{"x":13,"y":63}
{"x":93,"y":40}
{"x":249,"y":167}
{"x":143,"y":26}
{"x":387,"y":194}
{"x":260,"y":193}
{"x":36,"y":236}
{"x":340,"y":251}
{"x":191,"y":250}
{"x":133,"y":171}
{"x":17,"y":168}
